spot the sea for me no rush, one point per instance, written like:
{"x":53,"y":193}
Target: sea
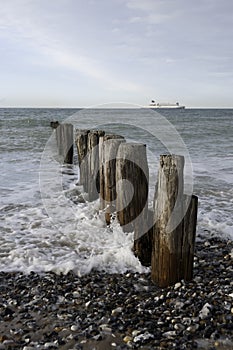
{"x":47,"y":222}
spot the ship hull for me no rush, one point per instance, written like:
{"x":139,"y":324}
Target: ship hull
{"x":164,"y":107}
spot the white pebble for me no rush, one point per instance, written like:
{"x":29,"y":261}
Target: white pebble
{"x":143,"y":337}
{"x":193,"y":328}
{"x":177,"y":285}
{"x":197,"y":279}
{"x":205,"y":311}
{"x":76,"y":295}
{"x":169,"y":334}
{"x":135,"y":333}
{"x":105,"y":328}
{"x":116,"y":311}
{"x":48,"y":345}
{"x":88,"y":303}
{"x":179,"y":327}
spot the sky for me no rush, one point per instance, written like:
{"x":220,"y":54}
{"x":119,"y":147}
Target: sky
{"x":80,"y":53}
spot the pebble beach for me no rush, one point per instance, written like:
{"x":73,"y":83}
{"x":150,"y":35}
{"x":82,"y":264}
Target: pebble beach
{"x":121,"y":311}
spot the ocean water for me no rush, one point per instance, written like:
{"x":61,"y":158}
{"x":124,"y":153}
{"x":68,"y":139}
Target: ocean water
{"x":46,"y":221}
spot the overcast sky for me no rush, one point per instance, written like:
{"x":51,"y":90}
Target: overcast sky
{"x":78,"y":53}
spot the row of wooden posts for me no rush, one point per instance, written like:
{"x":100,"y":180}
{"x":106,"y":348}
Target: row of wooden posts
{"x":117,"y":172}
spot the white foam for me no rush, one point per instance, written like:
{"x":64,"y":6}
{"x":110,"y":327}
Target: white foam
{"x":75,"y":237}
{"x":32,"y":243}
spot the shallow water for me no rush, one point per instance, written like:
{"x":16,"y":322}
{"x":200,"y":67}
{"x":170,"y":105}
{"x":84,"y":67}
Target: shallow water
{"x":67,"y":233}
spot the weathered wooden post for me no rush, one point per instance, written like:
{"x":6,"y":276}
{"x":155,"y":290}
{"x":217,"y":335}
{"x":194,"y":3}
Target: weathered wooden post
{"x":93,"y":163}
{"x":143,"y":243}
{"x":132,"y":176}
{"x":189,"y":235}
{"x":108,"y":147}
{"x":101,"y":172}
{"x":81,"y":144}
{"x":168,"y":232}
{"x":64,"y":136}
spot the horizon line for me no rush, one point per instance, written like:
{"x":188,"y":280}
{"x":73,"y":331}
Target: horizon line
{"x":93,"y":107}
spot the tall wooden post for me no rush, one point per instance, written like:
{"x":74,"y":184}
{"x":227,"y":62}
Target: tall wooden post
{"x":108,"y":147}
{"x":81,"y":144}
{"x":132,"y":176}
{"x":168,"y":232}
{"x":93,"y":163}
{"x":189,"y":234}
{"x":64,"y":136}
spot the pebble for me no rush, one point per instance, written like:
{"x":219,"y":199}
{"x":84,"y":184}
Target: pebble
{"x":117,"y":311}
{"x":105,"y":328}
{"x":186,"y":320}
{"x":169,"y":334}
{"x":205,"y":311}
{"x":50,"y":345}
{"x":143,"y":337}
{"x":197,"y":279}
{"x":179,"y":304}
{"x":135,"y":333}
{"x":88,"y":303}
{"x":177,"y":285}
{"x":127,"y":339}
{"x":76,"y":295}
{"x":193,"y":328}
{"x":179,"y":327}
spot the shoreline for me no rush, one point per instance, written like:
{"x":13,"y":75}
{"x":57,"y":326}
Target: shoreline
{"x":121,"y":311}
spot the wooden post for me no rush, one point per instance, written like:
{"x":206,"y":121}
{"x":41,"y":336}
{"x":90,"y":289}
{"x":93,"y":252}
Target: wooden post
{"x":168,"y":232}
{"x":64,"y":136}
{"x":108,"y":147}
{"x":93,"y":163}
{"x":54,"y":124}
{"x":143,"y":243}
{"x":101,"y":172}
{"x":132,"y":176}
{"x":189,"y":234}
{"x":81,"y":144}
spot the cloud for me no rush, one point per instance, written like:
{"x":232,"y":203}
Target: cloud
{"x":136,"y":19}
{"x":29,"y":25}
{"x":170,"y":60}
{"x":153,"y":12}
{"x":221,"y":75}
{"x":146,"y":5}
